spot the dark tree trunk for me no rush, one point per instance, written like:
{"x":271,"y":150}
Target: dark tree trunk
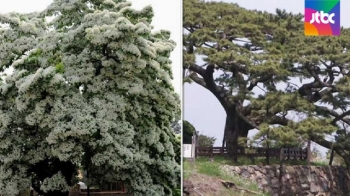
{"x":234,"y":129}
{"x":280,"y":183}
{"x":268,"y":148}
{"x":308,"y":152}
{"x":331,"y":157}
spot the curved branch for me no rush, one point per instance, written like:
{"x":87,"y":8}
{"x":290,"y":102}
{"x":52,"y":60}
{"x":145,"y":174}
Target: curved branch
{"x":198,"y":80}
{"x":196,"y":68}
{"x":208,"y":82}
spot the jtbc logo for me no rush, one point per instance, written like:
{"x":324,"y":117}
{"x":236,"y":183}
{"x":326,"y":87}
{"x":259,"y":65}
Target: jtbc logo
{"x":316,"y":17}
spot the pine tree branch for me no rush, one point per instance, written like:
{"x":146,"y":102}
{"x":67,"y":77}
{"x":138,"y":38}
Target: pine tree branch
{"x":279,"y":120}
{"x":334,"y":114}
{"x":196,"y":68}
{"x":340,"y":117}
{"x":208,"y":79}
{"x":327,"y":144}
{"x":249,"y":122}
{"x":220,"y":93}
{"x":198,"y":80}
{"x":248,"y":109}
{"x":306,"y":90}
{"x":254,"y":81}
{"x":312,"y":71}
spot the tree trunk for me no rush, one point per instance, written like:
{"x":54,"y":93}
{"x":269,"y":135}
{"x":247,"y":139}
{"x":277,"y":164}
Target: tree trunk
{"x":280,"y":183}
{"x":268,"y":148}
{"x":88,"y":184}
{"x":224,"y":140}
{"x":331,"y":157}
{"x":308,"y":152}
{"x":234,"y":129}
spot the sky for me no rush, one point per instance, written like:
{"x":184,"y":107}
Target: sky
{"x":202,"y":109}
{"x":168,"y":16}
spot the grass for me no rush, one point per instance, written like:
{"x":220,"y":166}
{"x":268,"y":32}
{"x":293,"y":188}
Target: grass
{"x":212,"y":168}
{"x":259,"y":161}
{"x":188,"y":169}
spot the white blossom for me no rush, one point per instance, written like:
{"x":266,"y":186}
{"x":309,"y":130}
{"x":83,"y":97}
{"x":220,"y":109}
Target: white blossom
{"x":90,"y":83}
{"x":56,"y":182}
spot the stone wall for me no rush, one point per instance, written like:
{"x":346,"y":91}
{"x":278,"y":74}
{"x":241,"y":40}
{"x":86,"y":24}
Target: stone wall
{"x":297,"y":180}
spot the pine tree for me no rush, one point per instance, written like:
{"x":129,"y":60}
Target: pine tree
{"x":91,"y":88}
{"x":266,"y":73}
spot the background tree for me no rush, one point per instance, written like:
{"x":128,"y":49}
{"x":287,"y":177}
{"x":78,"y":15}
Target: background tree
{"x":176,"y":125}
{"x":188,"y":131}
{"x":204,"y":140}
{"x":266,"y":74}
{"x":92,"y":88}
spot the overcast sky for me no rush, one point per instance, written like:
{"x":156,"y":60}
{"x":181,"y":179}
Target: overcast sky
{"x":168,"y":16}
{"x":201,"y":108}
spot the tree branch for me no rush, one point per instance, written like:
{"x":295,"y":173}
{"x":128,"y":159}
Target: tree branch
{"x":198,"y":80}
{"x":340,"y":117}
{"x":279,"y":120}
{"x":334,"y":114}
{"x":327,"y":144}
{"x":207,"y":78}
{"x":255,"y":81}
{"x":196,"y":68}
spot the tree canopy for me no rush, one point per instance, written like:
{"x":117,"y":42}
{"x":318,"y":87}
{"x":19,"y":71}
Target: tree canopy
{"x":267,"y":74}
{"x":188,"y":131}
{"x":91,"y":88}
{"x":176,"y":125}
{"x":204,"y":140}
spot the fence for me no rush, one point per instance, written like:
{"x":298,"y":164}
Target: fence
{"x":289,"y":153}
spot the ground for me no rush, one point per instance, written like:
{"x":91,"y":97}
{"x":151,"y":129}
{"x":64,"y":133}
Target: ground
{"x":203,"y":177}
{"x":204,"y":185}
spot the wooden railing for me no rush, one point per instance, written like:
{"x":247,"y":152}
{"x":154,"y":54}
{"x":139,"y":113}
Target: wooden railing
{"x":289,"y":153}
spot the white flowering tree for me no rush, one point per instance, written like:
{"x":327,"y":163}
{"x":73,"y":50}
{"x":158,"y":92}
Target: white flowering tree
{"x":91,"y":87}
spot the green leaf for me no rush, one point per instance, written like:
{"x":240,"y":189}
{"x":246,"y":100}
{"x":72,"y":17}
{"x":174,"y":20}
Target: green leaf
{"x":60,"y":68}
